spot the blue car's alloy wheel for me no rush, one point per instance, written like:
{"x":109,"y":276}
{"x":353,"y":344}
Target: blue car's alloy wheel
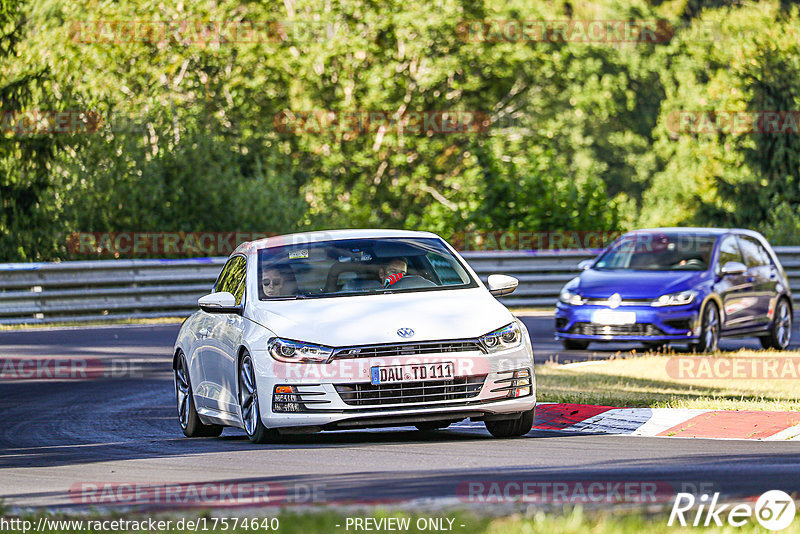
{"x":780,"y":333}
{"x":709,"y":333}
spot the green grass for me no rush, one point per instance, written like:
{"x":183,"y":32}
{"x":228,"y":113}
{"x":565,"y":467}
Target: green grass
{"x":570,"y":521}
{"x":644,"y":381}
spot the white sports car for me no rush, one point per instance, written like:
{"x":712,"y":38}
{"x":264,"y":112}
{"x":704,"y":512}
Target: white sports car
{"x":352,"y":329}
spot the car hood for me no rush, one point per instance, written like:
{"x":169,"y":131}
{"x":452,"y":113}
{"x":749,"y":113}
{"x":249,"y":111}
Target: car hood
{"x":596,"y":284}
{"x":372,"y":319}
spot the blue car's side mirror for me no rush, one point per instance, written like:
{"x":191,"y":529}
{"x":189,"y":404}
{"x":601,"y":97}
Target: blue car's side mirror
{"x":733,"y":268}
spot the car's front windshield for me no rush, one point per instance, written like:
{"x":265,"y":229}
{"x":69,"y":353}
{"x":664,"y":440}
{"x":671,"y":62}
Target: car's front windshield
{"x":659,"y":252}
{"x":357,"y":267}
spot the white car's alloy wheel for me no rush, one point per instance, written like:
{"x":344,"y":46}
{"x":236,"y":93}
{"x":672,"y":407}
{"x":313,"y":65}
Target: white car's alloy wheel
{"x":190,"y":422}
{"x":182,"y":392}
{"x":248,"y":403}
{"x":248,"y":397}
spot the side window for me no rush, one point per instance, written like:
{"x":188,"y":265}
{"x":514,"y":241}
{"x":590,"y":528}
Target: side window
{"x":728,"y":251}
{"x":765,"y":255}
{"x":222,"y":279}
{"x":754,"y":254}
{"x":232,"y":278}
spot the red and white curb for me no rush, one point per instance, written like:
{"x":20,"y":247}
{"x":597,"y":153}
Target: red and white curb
{"x":668,"y":422}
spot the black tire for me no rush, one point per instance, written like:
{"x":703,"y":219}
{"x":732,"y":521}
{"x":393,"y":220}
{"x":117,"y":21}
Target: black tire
{"x":188,"y":418}
{"x":511,"y":428}
{"x":780,"y":331}
{"x":709,"y":331}
{"x":575,"y":344}
{"x":248,"y":404}
{"x":430,"y":426}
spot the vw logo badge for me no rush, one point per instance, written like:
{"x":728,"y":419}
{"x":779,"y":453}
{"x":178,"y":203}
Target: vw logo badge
{"x":614,"y":300}
{"x":405,"y":332}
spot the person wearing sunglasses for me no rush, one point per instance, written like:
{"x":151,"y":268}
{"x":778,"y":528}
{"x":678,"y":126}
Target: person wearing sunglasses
{"x":272,"y":282}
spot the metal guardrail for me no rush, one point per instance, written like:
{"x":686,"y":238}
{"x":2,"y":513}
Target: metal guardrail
{"x":111,"y":289}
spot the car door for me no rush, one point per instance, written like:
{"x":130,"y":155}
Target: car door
{"x":763,"y":275}
{"x":210,"y":347}
{"x":734,"y":289}
{"x":201,"y":365}
{"x":226,"y":330}
{"x":198,"y":325}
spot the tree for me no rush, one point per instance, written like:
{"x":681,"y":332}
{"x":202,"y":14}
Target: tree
{"x":26,"y":150}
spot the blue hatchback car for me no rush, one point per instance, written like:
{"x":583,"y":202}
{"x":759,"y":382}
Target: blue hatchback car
{"x":687,"y":285}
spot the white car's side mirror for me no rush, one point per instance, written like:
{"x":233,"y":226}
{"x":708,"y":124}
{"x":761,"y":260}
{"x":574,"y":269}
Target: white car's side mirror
{"x":500,"y":284}
{"x":221,"y":302}
{"x":585,"y":264}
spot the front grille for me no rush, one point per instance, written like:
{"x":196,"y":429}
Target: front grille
{"x":366,"y":394}
{"x":408,"y":349}
{"x":638,"y":329}
{"x":626,"y":302}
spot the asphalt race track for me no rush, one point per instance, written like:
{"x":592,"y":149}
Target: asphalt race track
{"x":121,"y":427}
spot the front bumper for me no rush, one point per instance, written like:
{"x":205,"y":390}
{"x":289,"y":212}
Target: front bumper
{"x":340,"y":394}
{"x":668,"y":323}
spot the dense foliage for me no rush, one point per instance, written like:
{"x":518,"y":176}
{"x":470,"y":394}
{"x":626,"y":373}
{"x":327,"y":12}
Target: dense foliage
{"x":310,"y":121}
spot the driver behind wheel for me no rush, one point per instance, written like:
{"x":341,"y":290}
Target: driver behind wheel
{"x":392,"y":272}
{"x":278,"y":282}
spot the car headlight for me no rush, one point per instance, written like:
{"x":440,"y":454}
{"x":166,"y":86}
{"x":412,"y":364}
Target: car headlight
{"x":288,"y":351}
{"x":568,"y":297}
{"x":504,"y":338}
{"x":675,"y":299}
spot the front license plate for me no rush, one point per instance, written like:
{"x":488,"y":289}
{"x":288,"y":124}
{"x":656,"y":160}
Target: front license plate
{"x":613,"y":317}
{"x":413,"y":372}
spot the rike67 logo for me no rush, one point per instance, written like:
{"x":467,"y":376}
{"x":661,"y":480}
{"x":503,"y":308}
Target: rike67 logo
{"x":774,"y":510}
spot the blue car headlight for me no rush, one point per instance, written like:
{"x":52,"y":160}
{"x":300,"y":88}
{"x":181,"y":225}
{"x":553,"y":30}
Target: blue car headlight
{"x":675,"y":299}
{"x":505,"y":338}
{"x":288,"y":351}
{"x":568,"y":297}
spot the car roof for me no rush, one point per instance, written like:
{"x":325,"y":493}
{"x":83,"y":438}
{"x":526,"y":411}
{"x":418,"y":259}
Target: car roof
{"x":326,"y":235}
{"x":695,"y":231}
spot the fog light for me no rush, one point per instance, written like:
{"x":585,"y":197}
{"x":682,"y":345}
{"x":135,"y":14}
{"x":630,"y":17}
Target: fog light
{"x":523,"y":382}
{"x":519,"y":384}
{"x":286,"y":400}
